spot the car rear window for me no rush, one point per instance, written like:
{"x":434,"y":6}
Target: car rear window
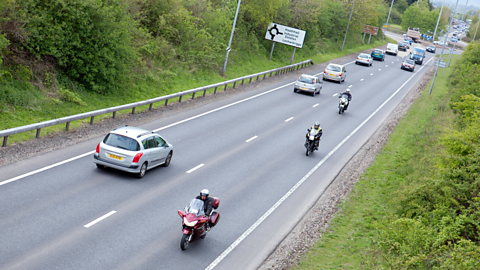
{"x":410,"y":62}
{"x":333,"y":68}
{"x":122,"y":142}
{"x":363,"y":55}
{"x":305,"y":79}
{"x":378,"y":51}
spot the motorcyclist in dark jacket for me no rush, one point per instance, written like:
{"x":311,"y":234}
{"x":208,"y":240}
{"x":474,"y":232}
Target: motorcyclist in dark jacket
{"x":207,"y":201}
{"x":347,"y":93}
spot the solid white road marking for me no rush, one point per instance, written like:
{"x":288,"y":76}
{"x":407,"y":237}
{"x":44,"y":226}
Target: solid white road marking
{"x":197,"y":167}
{"x":156,"y":130}
{"x":299,"y":183}
{"x":99,"y":219}
{"x":251,"y":139}
{"x":335,"y":94}
{"x":315,"y":105}
{"x":289,"y":119}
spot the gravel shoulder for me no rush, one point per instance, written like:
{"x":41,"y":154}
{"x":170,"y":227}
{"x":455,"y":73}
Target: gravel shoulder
{"x":316,"y":220}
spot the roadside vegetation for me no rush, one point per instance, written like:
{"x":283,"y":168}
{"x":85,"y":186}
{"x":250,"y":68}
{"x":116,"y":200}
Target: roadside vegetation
{"x":418,"y":205}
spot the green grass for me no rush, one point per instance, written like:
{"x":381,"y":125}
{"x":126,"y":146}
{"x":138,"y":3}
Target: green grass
{"x":347,"y":243}
{"x":32,"y":109}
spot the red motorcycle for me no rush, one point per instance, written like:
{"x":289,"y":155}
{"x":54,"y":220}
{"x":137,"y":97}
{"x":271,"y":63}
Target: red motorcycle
{"x":195,"y":222}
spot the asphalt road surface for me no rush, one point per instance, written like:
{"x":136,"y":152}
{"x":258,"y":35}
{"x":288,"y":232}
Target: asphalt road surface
{"x":60,"y":212}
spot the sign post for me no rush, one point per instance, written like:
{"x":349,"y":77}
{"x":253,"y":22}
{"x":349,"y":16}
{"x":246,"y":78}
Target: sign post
{"x":285,"y":35}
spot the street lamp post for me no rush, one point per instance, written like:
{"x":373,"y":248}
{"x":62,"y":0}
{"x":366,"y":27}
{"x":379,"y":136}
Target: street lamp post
{"x":383,"y":36}
{"x":231,"y":37}
{"x":443,"y":48}
{"x":439,"y":15}
{"x":476,"y":29}
{"x":353,"y":6}
{"x":464,"y":14}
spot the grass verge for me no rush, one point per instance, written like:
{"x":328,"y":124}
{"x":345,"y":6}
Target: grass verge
{"x":348,"y":242}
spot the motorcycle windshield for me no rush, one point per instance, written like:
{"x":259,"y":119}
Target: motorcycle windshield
{"x":196,"y":207}
{"x":345,"y":96}
{"x":313,"y":132}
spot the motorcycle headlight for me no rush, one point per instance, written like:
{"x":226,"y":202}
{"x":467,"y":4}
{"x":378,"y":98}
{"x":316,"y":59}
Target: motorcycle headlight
{"x":189,"y":224}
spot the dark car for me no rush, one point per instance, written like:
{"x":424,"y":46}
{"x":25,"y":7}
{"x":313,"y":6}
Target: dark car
{"x":408,"y":65}
{"x":431,"y":48}
{"x":402,"y":47}
{"x":378,"y":55}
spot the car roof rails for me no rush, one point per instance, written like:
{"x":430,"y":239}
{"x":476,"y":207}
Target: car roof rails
{"x":120,"y":127}
{"x":145,"y":133}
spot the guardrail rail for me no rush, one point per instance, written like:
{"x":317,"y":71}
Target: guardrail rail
{"x":38,"y":126}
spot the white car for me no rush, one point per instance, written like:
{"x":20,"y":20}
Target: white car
{"x":392,"y":49}
{"x":439,"y":42}
{"x":364,"y":59}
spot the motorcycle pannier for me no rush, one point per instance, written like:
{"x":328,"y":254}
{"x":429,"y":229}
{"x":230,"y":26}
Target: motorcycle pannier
{"x":214,"y":219}
{"x":216,"y":202}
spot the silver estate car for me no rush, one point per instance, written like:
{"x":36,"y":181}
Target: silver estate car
{"x":133,"y":150}
{"x":309,"y":84}
{"x":335,"y":72}
{"x":364,"y":59}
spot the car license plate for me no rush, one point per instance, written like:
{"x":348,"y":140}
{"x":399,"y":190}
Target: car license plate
{"x":362,"y":59}
{"x":331,"y":74}
{"x":304,"y":88}
{"x":115,"y":157}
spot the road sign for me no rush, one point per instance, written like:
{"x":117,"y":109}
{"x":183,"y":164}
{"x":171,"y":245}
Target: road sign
{"x":386,"y":26}
{"x":442,"y":64}
{"x":372,"y":30}
{"x":286,"y":35}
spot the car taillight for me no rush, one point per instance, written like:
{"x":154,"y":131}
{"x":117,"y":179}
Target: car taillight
{"x":340,"y":74}
{"x":368,"y":60}
{"x":324,"y":71}
{"x":357,"y":58}
{"x":98,"y":149}
{"x":137,"y":157}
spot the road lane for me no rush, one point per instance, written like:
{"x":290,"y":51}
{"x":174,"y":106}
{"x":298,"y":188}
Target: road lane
{"x":249,"y":178}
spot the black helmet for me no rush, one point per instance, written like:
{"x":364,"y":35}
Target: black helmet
{"x":204,"y":192}
{"x":317,"y":124}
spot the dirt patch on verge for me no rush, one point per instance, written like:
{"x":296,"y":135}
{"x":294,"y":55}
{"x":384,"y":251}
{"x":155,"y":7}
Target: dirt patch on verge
{"x":309,"y":230}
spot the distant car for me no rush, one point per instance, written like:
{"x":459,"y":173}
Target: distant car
{"x":439,"y":42}
{"x":454,"y":39}
{"x":364,"y":59}
{"x":402,"y":47}
{"x":378,"y":54}
{"x":309,"y":84}
{"x":133,"y":150}
{"x":431,"y":48}
{"x":335,"y":72}
{"x":392,"y":49}
{"x":408,"y":65}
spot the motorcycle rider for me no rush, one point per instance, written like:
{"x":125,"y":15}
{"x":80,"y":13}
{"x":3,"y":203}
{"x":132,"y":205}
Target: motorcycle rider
{"x":207,"y":201}
{"x":349,"y":97}
{"x":317,"y":127}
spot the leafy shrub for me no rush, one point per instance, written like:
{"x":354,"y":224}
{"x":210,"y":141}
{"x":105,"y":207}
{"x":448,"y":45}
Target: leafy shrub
{"x":69,"y":96}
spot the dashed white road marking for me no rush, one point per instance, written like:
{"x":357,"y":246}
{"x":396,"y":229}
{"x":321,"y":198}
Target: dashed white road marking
{"x":379,"y":69}
{"x":197,"y":167}
{"x":315,"y":105}
{"x":252,"y":138}
{"x":371,"y":74}
{"x":335,"y":94}
{"x":99,"y":219}
{"x":386,"y":65}
{"x":350,"y":86}
{"x":361,"y":79}
{"x":289,"y":119}
{"x":393,"y":62}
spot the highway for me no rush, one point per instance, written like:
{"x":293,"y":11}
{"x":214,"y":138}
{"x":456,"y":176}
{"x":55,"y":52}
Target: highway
{"x":60,"y":211}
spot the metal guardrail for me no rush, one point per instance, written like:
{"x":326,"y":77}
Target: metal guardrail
{"x":38,"y":126}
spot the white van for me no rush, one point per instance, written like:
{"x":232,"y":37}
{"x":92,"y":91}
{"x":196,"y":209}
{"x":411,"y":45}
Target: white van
{"x":392,"y":49}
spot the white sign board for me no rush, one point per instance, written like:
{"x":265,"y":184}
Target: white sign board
{"x":442,"y":64}
{"x":286,"y":35}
